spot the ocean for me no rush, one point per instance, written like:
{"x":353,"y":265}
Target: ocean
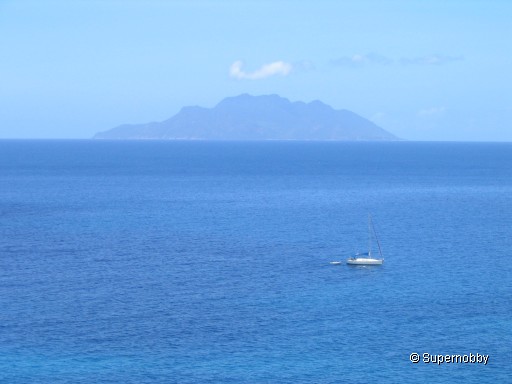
{"x":209,"y":262}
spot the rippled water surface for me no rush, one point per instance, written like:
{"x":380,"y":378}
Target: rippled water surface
{"x":208,"y":262}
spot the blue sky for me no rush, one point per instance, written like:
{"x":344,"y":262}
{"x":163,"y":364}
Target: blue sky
{"x":424,"y":70}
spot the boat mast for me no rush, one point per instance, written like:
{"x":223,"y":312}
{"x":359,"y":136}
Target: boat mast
{"x":369,"y":236}
{"x":375,"y":234}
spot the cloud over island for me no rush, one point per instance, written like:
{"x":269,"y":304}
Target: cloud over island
{"x":360,"y":60}
{"x":266,"y":70}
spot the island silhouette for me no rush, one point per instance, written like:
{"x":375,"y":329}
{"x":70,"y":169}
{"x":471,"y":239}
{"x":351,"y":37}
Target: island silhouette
{"x":247,"y":117}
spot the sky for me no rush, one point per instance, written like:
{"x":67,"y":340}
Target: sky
{"x":437,"y":70}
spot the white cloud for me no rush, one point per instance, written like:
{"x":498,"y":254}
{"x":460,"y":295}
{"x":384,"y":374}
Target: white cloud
{"x":431,"y":60}
{"x":431,"y":112}
{"x":360,"y":60}
{"x":276,"y":68}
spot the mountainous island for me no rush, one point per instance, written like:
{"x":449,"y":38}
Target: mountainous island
{"x":247,"y":117}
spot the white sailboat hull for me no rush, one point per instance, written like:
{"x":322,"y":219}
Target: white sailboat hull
{"x":364,"y":261}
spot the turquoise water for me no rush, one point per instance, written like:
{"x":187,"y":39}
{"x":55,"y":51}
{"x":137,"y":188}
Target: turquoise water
{"x":208,"y":262}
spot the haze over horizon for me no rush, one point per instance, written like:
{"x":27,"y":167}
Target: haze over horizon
{"x":436,"y":70}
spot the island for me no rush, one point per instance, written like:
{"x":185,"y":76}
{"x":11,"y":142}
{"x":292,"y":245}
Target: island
{"x":246,"y":117}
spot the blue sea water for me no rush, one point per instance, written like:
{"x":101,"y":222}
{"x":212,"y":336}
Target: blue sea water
{"x":208,"y":262}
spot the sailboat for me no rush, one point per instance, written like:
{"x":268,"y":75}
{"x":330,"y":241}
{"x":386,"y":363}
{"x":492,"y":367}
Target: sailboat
{"x":366,"y":257}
